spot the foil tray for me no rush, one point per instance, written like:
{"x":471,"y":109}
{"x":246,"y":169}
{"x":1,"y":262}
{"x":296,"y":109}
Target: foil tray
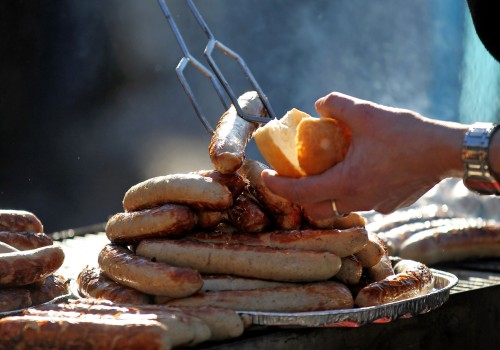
{"x":357,"y":317}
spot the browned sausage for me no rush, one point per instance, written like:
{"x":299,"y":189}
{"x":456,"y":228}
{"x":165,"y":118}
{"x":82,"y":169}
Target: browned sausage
{"x":19,"y":221}
{"x":150,"y":277}
{"x":53,"y":286}
{"x":212,"y":283}
{"x":243,"y":260}
{"x":93,"y":283}
{"x":29,"y":266}
{"x":297,"y":298}
{"x":210,"y":219}
{"x":372,"y":252}
{"x":411,"y":279}
{"x":232,"y":133}
{"x":247,"y":215}
{"x":381,"y":270}
{"x":14,"y":299}
{"x":199,"y":192}
{"x":251,"y":170}
{"x":25,"y":240}
{"x":453,"y":242}
{"x":165,"y":221}
{"x":350,"y":272}
{"x":44,"y":332}
{"x":339,"y":242}
{"x":234,"y":182}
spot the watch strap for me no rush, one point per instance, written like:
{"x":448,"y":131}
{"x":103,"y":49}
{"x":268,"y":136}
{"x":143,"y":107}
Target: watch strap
{"x":478,"y":176}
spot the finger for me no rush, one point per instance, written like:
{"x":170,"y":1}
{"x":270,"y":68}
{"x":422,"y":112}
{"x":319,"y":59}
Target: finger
{"x":304,"y":190}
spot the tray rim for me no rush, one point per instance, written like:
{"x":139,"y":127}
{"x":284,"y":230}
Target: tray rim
{"x":361,"y":316}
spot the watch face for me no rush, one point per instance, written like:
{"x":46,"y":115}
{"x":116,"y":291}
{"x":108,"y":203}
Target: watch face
{"x":482,"y":185}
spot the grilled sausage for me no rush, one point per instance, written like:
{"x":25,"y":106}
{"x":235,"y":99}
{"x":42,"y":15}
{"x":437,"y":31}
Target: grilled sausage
{"x":25,"y":240}
{"x":242,"y":260}
{"x":19,"y":221}
{"x":213,"y":283}
{"x":93,"y":283}
{"x":45,"y":332}
{"x":381,"y":270}
{"x":53,"y":286}
{"x":247,"y":215}
{"x":297,"y":298}
{"x":350,"y":271}
{"x":199,"y":192}
{"x":372,"y":252}
{"x":182,"y":327}
{"x":14,"y":299}
{"x":339,"y":242}
{"x":232,"y":134}
{"x":453,"y":242}
{"x":29,"y":266}
{"x":167,"y":220}
{"x":5,"y":248}
{"x":411,"y":279}
{"x":149,"y":277}
{"x":234,"y":181}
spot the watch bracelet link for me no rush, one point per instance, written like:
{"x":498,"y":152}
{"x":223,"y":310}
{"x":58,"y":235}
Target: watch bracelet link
{"x":478,"y":175}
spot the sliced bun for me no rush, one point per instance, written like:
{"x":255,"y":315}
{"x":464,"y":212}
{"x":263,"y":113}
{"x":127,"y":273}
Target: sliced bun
{"x":299,"y":145}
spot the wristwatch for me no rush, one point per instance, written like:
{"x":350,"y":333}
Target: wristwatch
{"x":478,"y":176}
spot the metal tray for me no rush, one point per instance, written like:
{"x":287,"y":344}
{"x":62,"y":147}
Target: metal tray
{"x":444,"y":281}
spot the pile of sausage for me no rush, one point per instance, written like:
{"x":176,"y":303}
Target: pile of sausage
{"x":212,"y":239}
{"x":28,"y":262}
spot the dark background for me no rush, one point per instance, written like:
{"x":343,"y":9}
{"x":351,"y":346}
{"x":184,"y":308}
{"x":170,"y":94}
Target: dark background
{"x":90,"y":104}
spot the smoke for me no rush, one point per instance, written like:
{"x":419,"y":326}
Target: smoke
{"x":109,"y":111}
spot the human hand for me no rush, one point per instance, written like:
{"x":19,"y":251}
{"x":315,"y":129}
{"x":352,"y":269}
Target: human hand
{"x":395,"y":157}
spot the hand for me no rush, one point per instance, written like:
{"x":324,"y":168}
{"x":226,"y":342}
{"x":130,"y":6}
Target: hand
{"x":395,"y":157}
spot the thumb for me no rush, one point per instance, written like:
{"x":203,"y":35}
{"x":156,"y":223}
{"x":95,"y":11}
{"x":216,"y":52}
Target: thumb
{"x":341,"y":107}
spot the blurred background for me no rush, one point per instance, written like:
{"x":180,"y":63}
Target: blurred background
{"x":90,"y":103}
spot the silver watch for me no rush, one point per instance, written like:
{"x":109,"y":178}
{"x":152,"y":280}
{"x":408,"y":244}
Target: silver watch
{"x":478,"y":176}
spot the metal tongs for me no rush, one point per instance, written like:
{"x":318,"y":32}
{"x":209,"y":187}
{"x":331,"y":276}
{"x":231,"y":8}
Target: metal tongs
{"x":215,"y":75}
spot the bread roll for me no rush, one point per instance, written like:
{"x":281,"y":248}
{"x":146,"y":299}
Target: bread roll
{"x":299,"y":145}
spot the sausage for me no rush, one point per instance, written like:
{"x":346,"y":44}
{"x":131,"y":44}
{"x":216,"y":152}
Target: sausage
{"x":372,"y":252}
{"x":395,"y":237}
{"x":149,"y":277}
{"x":93,"y":283}
{"x":180,"y":327}
{"x":5,"y":248}
{"x":196,"y":191}
{"x":25,"y":240}
{"x":381,"y":270}
{"x":210,"y":219}
{"x":350,"y":271}
{"x":19,"y":221}
{"x":269,"y":263}
{"x":453,"y":243}
{"x":251,"y":170}
{"x":167,"y":220}
{"x":53,"y":286}
{"x":215,"y":283}
{"x":234,"y":181}
{"x":411,"y":279}
{"x":339,"y":242}
{"x":184,"y":328}
{"x":247,"y":215}
{"x":232,"y":134}
{"x":298,"y":298}
{"x":45,"y":332}
{"x":14,"y":299}
{"x":29,"y":266}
